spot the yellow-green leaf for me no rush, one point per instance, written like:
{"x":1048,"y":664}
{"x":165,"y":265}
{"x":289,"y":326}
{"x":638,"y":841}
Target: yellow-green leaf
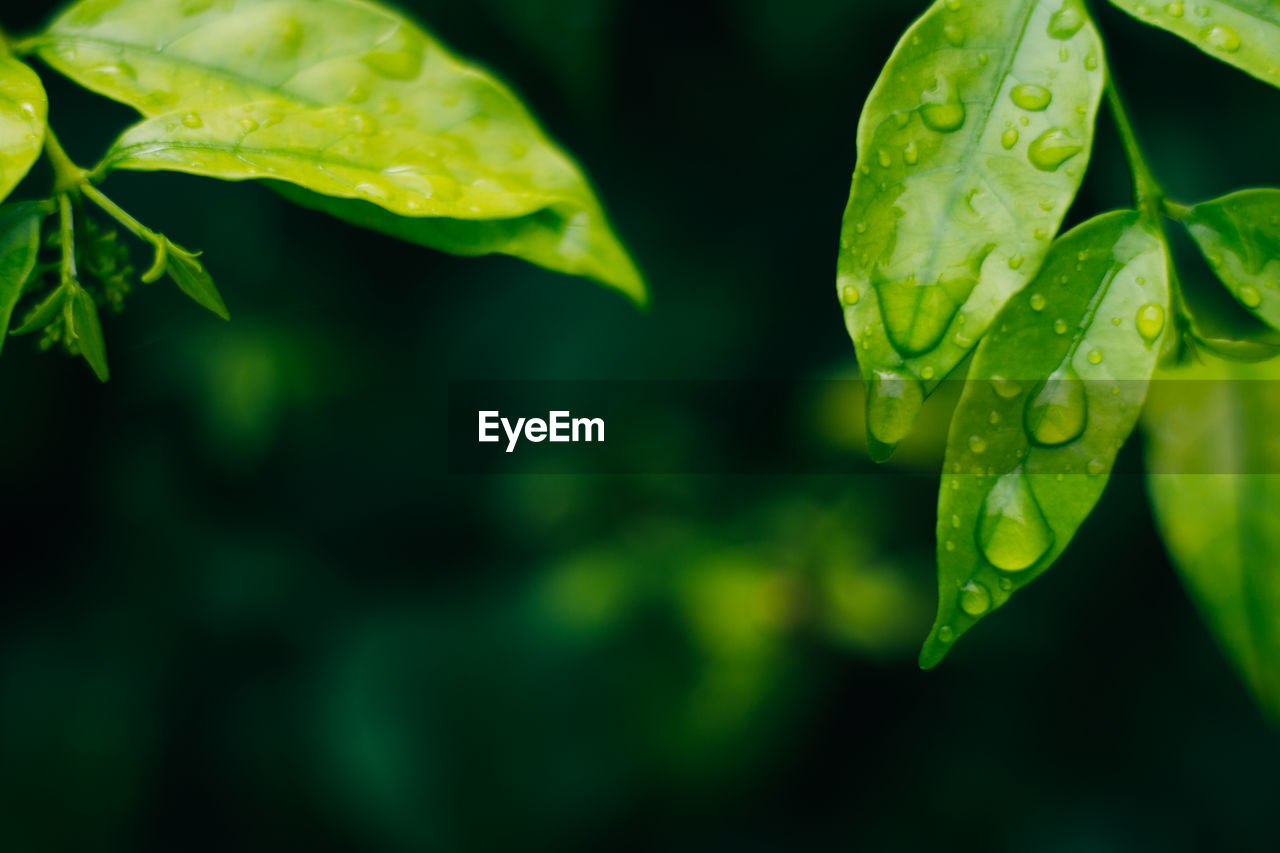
{"x":351,"y":102}
{"x":1213,"y":463}
{"x":23,"y":106}
{"x":971,"y":147}
{"x":1243,"y":33}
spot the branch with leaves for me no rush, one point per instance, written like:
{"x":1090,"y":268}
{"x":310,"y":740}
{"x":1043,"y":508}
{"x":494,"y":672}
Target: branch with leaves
{"x":971,"y":147}
{"x":340,"y":105}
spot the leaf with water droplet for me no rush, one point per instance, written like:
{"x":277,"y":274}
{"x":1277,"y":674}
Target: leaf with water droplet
{"x":23,"y":106}
{"x":1243,"y":33}
{"x":364,"y":113}
{"x":946,"y":235}
{"x":1047,"y":416}
{"x":1237,"y":231}
{"x":1213,"y":479}
{"x":19,"y":250}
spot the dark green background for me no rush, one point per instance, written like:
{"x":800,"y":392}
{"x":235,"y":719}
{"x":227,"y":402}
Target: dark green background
{"x":244,"y":608}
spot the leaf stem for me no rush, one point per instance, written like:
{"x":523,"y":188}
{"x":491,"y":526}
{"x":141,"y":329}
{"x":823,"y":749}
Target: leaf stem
{"x":1150,"y":200}
{"x":1147,"y":192}
{"x":67,"y":238}
{"x":134,"y":227}
{"x":67,"y":176}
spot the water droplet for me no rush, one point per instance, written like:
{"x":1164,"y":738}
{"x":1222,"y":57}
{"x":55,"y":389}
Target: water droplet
{"x":1095,"y":356}
{"x":1015,"y":261}
{"x":1063,"y":54}
{"x":860,"y":228}
{"x":953,"y":34}
{"x":1059,"y":326}
{"x":946,"y":633}
{"x":1005,"y":389}
{"x":1051,"y":149}
{"x":1250,"y":296}
{"x":975,"y":599}
{"x":1222,"y":37}
{"x":1037,"y":302}
{"x":1066,"y":22}
{"x":1028,"y":96}
{"x":1202,"y":11}
{"x":885,"y":160}
{"x":1056,"y":412}
{"x":1174,"y":9}
{"x":193,"y":120}
{"x":910,"y":154}
{"x":1150,"y":321}
{"x":849,"y":295}
{"x":944,"y":117}
{"x":363,"y":124}
{"x":977,"y":444}
{"x":993,"y":418}
{"x":1009,"y":138}
{"x":1095,"y":467}
{"x":926,"y":372}
{"x":955,"y":521}
{"x":1012,"y":532}
{"x":248,"y":125}
{"x":893,"y":402}
{"x":983,"y":59}
{"x":1091,"y":62}
{"x":399,"y":58}
{"x":1006,"y":584}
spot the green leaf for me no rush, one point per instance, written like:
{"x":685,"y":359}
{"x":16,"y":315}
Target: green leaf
{"x":1243,"y":33}
{"x":189,"y":274}
{"x":23,"y":107}
{"x":1054,"y":390}
{"x":85,"y":330}
{"x":401,"y":125}
{"x":971,"y":146}
{"x":1239,"y":235}
{"x":46,"y":311}
{"x":19,"y":249}
{"x":1213,"y":460}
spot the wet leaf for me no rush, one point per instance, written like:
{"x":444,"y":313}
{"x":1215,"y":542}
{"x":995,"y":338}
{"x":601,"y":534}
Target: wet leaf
{"x":23,"y":106}
{"x":1239,"y":235}
{"x":1214,"y":483}
{"x":19,"y":250}
{"x":351,"y":102}
{"x":1054,"y":390}
{"x":1243,"y":33}
{"x":971,"y":146}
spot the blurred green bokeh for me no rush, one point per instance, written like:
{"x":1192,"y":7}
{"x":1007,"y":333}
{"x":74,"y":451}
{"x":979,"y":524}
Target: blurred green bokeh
{"x":245,"y":608}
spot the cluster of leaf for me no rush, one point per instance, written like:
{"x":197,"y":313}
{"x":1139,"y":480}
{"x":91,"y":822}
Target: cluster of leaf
{"x":971,"y":147}
{"x":340,"y":105}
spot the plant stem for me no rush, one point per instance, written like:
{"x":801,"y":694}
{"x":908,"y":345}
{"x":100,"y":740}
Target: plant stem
{"x":1147,"y":192}
{"x":67,"y":233}
{"x":134,"y":227}
{"x":119,"y":214}
{"x":67,"y":176}
{"x":1149,"y":198}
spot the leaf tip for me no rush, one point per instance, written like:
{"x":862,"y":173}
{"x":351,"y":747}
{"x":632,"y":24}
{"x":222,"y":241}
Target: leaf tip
{"x":933,"y":651}
{"x":878,"y":450}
